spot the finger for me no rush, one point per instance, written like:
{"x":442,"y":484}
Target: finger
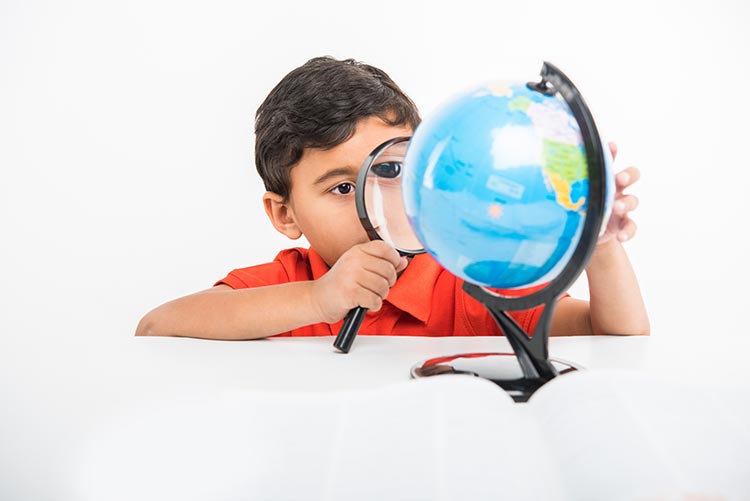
{"x":382,"y":250}
{"x":367,"y":299}
{"x":612,"y":149}
{"x":382,"y":268}
{"x":374,"y":284}
{"x":627,"y":230}
{"x":627,"y":177}
{"x":625,"y":204}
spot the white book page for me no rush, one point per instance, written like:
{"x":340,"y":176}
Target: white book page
{"x":442,"y":438}
{"x":620,"y":435}
{"x":458,"y":436}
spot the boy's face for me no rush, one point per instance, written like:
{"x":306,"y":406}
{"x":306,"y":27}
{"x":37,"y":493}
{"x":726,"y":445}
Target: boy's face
{"x":321,"y":201}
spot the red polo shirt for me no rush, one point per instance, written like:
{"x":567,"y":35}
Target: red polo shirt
{"x":426,"y":300}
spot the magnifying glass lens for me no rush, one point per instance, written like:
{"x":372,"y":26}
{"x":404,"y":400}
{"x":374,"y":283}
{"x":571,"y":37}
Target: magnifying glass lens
{"x":384,"y":203}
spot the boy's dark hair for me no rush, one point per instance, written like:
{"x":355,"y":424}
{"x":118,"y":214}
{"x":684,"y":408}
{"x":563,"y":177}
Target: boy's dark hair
{"x":318,"y":105}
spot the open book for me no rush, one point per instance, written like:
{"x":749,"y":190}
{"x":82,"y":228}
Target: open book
{"x":599,"y":435}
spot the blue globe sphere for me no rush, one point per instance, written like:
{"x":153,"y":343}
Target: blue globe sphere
{"x":496,"y":185}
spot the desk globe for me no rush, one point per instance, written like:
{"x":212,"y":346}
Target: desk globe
{"x":507,"y":186}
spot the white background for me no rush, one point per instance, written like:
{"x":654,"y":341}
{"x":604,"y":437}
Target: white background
{"x":126,"y":138}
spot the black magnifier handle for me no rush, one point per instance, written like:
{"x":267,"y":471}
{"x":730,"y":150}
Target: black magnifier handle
{"x":349,"y":329}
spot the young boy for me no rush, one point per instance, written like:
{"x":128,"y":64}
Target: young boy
{"x":313,"y":132}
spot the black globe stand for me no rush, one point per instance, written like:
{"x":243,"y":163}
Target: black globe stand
{"x":531,"y":352}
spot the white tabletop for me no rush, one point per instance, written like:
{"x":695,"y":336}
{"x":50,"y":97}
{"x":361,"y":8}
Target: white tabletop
{"x":312,"y":364}
{"x":48,"y":417}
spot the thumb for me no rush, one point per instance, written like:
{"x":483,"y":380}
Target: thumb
{"x":402,"y":264}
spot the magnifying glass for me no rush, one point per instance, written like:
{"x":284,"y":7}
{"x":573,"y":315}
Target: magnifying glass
{"x":380,"y":208}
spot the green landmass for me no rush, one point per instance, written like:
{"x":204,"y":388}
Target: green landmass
{"x":520,"y":103}
{"x":566,"y":160}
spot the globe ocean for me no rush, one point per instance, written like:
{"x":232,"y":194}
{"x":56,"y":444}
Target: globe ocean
{"x":496,"y":185}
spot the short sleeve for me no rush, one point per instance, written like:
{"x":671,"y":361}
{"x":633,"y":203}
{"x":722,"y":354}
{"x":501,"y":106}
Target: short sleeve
{"x":289,"y":265}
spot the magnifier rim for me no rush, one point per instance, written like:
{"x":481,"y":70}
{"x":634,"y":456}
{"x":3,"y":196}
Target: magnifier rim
{"x":359,"y":197}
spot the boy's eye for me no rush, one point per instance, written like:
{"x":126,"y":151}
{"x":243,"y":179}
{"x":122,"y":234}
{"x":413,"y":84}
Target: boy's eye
{"x":343,"y":189}
{"x":387,"y":169}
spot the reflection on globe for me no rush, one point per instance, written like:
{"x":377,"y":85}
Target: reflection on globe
{"x":496,"y":185}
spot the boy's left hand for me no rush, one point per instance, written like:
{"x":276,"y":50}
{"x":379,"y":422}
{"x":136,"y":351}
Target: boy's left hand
{"x":620,"y":226}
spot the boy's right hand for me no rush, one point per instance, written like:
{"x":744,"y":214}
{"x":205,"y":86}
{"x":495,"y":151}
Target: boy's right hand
{"x":362,"y":276}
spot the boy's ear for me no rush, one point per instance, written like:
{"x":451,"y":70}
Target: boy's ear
{"x":281,"y":215}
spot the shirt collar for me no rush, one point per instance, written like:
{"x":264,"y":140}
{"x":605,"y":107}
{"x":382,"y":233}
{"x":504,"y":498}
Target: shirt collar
{"x":412,"y":292}
{"x":318,"y":266}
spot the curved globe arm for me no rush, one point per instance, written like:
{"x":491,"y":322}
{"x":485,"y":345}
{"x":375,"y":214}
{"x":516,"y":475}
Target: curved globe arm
{"x":532,"y":351}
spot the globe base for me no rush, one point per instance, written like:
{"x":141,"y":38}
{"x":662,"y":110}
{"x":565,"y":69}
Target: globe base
{"x":502,"y":369}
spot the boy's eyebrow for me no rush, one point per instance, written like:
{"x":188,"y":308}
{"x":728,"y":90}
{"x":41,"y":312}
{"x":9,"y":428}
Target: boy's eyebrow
{"x":338,"y":171}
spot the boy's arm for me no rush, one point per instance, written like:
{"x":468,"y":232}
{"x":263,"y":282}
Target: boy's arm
{"x":361,"y":277}
{"x":225,"y":313}
{"x":616,"y":305}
